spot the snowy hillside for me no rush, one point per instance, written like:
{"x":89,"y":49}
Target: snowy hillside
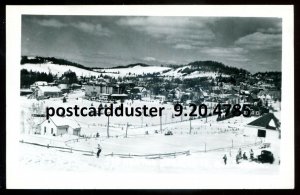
{"x":58,"y":69}
{"x":192,"y":70}
{"x":135,"y":70}
{"x":183,"y":73}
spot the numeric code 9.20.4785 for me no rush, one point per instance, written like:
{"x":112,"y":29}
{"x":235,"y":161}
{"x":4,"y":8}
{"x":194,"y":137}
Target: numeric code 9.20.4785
{"x":202,"y":110}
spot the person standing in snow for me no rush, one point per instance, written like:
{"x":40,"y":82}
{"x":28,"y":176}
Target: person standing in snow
{"x":237,"y":158}
{"x":225,"y":159}
{"x":251,"y":154}
{"x":240,"y":153}
{"x":99,"y":149}
{"x":245,"y":156}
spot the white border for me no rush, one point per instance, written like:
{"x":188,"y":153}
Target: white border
{"x":18,"y":178}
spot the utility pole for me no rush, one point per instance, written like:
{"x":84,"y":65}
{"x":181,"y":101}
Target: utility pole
{"x":160,"y":125}
{"x":22,"y":119}
{"x":126,"y":129}
{"x":142,"y":120}
{"x":190,"y":125}
{"x":108,"y":126}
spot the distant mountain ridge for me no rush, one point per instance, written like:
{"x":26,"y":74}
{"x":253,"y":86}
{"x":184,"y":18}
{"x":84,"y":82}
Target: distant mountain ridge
{"x":132,"y":65}
{"x":190,"y":68}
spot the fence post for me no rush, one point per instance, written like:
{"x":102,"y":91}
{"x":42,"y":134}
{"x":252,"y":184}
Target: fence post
{"x":47,"y":145}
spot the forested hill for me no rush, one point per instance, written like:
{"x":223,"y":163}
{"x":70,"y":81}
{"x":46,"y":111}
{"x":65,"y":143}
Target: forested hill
{"x":52,"y":60}
{"x":213,"y":66}
{"x":132,"y":65}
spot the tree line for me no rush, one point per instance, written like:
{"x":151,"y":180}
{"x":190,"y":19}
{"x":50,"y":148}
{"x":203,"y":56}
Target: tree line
{"x":29,"y":77}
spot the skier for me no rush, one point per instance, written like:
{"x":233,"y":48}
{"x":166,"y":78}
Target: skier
{"x":99,"y":149}
{"x":251,"y":154}
{"x":225,"y":159}
{"x":245,"y":156}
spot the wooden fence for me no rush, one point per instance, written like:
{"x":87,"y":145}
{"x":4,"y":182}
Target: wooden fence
{"x":69,"y":149}
{"x":147,"y":156}
{"x":151,"y":156}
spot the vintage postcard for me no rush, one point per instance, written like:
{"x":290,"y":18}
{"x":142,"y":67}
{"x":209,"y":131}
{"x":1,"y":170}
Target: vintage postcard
{"x":155,"y":97}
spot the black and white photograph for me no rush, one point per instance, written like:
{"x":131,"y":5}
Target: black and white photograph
{"x":150,"y":97}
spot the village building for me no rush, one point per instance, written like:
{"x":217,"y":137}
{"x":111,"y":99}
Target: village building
{"x":270,"y":95}
{"x":267,"y":127}
{"x":75,"y":86}
{"x":138,"y":92}
{"x":47,"y":91}
{"x":160,"y":98}
{"x":232,"y":99}
{"x":25,"y":92}
{"x":37,"y":84}
{"x":59,"y":126}
{"x":95,"y":90}
{"x":120,"y":97}
{"x":52,"y":84}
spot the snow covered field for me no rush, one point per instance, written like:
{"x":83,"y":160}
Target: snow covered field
{"x":39,"y":158}
{"x":216,"y":138}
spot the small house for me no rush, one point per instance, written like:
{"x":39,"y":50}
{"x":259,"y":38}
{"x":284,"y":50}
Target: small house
{"x":65,"y":88}
{"x":37,"y":84}
{"x":75,"y":86}
{"x":47,"y":91}
{"x":60,"y":125}
{"x":266,"y":126}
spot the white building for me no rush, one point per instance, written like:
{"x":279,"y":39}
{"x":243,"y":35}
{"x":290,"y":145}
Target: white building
{"x":266,"y":127}
{"x":51,"y":91}
{"x":59,"y":126}
{"x":38,"y":83}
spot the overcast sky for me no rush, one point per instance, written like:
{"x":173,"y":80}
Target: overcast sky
{"x":105,"y":41}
